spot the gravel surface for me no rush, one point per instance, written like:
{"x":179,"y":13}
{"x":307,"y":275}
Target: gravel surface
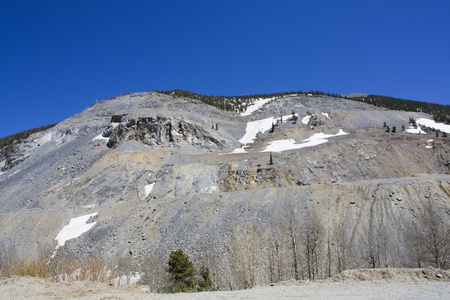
{"x":348,"y":288}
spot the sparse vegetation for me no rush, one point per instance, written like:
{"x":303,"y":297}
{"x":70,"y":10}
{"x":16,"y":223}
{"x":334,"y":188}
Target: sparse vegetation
{"x":440,"y":113}
{"x":60,"y":267}
{"x":22,"y":135}
{"x":429,"y":237}
{"x":237,"y":103}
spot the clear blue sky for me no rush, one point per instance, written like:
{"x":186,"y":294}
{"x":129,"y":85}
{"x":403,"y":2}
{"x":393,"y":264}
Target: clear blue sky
{"x":58,"y":57}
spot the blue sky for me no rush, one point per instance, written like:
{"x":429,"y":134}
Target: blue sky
{"x":59,"y":57}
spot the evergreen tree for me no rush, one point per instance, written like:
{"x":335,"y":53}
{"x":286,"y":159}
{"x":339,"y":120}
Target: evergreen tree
{"x":182,"y":273}
{"x":205,"y":283}
{"x":388,"y":129}
{"x":394,"y":129}
{"x":270,"y":160}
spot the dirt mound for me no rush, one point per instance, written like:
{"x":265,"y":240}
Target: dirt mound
{"x":393,"y":275}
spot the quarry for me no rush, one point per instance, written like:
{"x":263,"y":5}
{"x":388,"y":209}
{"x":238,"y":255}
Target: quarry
{"x":297,"y":187}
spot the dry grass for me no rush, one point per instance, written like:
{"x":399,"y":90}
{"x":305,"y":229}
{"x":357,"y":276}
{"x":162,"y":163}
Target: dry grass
{"x":58,"y":268}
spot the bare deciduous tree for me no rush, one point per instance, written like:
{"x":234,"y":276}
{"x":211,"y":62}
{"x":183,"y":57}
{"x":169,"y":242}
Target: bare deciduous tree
{"x":313,"y":240}
{"x":429,"y":237}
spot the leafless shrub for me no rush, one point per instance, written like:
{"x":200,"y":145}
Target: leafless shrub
{"x":154,"y":270}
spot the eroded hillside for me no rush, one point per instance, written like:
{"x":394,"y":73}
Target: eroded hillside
{"x":158,"y":173}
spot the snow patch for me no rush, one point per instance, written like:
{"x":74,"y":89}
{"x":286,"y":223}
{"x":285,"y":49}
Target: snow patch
{"x":89,"y":206}
{"x":100,"y":137}
{"x":75,"y":228}
{"x":326,"y":115}
{"x":254,"y":127}
{"x":256,"y":105}
{"x":320,"y":136}
{"x":239,"y":150}
{"x":289,"y":144}
{"x":131,"y":279}
{"x":14,"y":173}
{"x":148,"y":189}
{"x":306,"y":119}
{"x":417,"y":130}
{"x":211,"y":189}
{"x":432,"y":124}
{"x":45,"y":139}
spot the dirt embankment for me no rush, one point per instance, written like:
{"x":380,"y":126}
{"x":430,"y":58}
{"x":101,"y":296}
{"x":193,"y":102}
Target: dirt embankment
{"x":426,"y":283}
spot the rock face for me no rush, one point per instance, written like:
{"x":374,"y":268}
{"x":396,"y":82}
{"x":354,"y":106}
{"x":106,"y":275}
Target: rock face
{"x":161,"y":174}
{"x":160,"y":131}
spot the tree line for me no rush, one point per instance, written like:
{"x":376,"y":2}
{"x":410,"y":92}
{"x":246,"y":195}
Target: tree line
{"x":440,"y":113}
{"x":8,"y":140}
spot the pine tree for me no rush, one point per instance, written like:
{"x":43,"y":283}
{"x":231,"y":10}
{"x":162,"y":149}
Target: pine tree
{"x":205,"y":283}
{"x":394,"y":129}
{"x":182,"y":273}
{"x":271,"y":160}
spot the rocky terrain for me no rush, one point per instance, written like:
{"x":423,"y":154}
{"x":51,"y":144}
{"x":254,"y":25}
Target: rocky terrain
{"x":154,"y":173}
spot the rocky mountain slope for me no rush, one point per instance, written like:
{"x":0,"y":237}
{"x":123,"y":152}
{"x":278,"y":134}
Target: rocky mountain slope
{"x":152,"y":173}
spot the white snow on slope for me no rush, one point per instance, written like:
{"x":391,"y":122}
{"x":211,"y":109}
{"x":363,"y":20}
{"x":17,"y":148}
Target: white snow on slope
{"x":100,"y":137}
{"x":306,"y":119}
{"x":320,"y":136}
{"x":289,"y":144}
{"x":254,"y":127}
{"x":239,"y":150}
{"x":326,"y":115}
{"x":417,"y":130}
{"x":432,"y":124}
{"x":256,"y":105}
{"x":148,"y":189}
{"x":75,"y":228}
{"x":45,"y":139}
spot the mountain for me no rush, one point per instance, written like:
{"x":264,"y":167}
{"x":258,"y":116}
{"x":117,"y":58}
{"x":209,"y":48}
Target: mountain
{"x":134,"y":177}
